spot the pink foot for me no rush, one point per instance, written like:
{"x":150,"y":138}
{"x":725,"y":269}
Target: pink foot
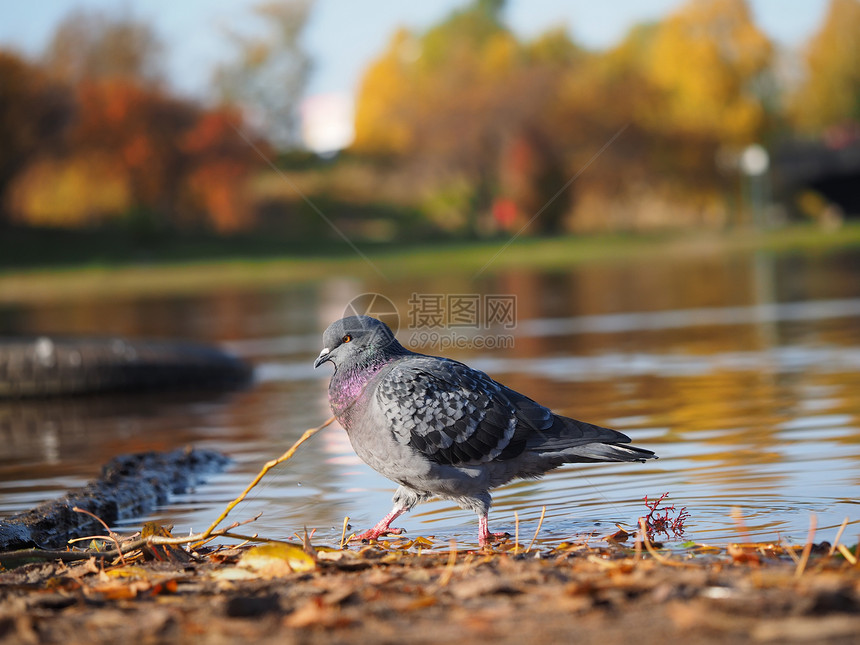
{"x":485,"y":537}
{"x":376,"y":533}
{"x":383,"y":527}
{"x":488,"y":538}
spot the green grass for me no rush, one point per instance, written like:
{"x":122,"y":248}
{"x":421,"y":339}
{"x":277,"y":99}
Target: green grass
{"x":53,"y":265}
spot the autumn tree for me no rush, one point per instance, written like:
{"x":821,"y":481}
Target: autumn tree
{"x":516,"y":121}
{"x":455,"y":101}
{"x":220,"y":165}
{"x":181,"y":165}
{"x":383,"y":115}
{"x":269,"y":76}
{"x":707,"y":59}
{"x":130,"y":149}
{"x":138,"y":128}
{"x":830,"y":92}
{"x":91,"y":44}
{"x":34,"y":111}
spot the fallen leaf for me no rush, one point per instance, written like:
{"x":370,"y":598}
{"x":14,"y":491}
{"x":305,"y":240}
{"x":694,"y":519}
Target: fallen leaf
{"x":233,"y":573}
{"x":120,"y":590}
{"x":163,"y":552}
{"x":619,"y":536}
{"x":741,"y":555}
{"x":315,"y":613}
{"x":83,"y":569}
{"x":129,"y":571}
{"x":275,"y":560}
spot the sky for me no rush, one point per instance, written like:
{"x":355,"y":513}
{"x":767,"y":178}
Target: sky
{"x":344,"y":36}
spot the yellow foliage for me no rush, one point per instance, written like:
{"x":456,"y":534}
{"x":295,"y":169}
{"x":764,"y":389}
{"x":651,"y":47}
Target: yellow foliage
{"x":831,"y":91}
{"x":672,"y":93}
{"x":500,"y":56}
{"x":425,"y":92}
{"x":381,"y":124}
{"x":78,"y":191}
{"x":706,"y":58}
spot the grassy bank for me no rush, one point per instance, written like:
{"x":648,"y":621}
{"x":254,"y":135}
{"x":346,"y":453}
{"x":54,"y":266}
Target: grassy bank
{"x":55,"y":266}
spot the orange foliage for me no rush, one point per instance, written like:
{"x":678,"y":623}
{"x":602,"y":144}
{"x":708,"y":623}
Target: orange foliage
{"x":33,"y":113}
{"x":164,"y":157}
{"x":137,"y":126}
{"x":222,"y":162}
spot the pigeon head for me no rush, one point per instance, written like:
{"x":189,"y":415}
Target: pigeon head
{"x":358,"y":341}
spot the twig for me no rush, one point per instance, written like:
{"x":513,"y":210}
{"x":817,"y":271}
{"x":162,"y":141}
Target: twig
{"x":157,"y":540}
{"x":112,"y":536}
{"x":250,"y":538}
{"x":39,"y":555}
{"x":516,"y":533}
{"x":540,"y":523}
{"x":269,"y":465}
{"x":300,"y":537}
{"x":790,"y":550}
{"x":838,"y":535}
{"x":105,"y":538}
{"x":738,"y":517}
{"x":846,"y":553}
{"x":449,"y":568}
{"x":807,"y":549}
{"x":343,"y":532}
{"x":660,"y":558}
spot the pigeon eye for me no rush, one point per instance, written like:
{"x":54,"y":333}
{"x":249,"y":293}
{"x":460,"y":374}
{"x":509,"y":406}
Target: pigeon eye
{"x":346,"y":339}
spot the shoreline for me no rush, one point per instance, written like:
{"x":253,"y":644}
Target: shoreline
{"x":171,"y":275}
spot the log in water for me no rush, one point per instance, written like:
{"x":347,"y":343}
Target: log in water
{"x":50,"y":366}
{"x":130,"y":486}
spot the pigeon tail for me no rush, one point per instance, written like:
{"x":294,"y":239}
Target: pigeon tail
{"x":577,"y":441}
{"x":605,"y":452}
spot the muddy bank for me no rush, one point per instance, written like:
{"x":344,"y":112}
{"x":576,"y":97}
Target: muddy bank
{"x":129,"y":486}
{"x":577,"y":593}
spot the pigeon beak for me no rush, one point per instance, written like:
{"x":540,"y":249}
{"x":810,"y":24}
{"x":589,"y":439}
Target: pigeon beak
{"x":322,"y":358}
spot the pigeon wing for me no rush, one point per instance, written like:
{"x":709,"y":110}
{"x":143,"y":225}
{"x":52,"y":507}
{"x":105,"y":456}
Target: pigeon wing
{"x":454,"y":414}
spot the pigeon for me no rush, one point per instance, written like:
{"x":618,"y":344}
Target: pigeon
{"x":440,"y":428}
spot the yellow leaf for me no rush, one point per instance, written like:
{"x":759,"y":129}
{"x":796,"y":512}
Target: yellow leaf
{"x":276,"y":559}
{"x":128,"y":572}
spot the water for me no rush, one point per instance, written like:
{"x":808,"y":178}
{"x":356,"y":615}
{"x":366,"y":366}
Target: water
{"x":740,"y":370}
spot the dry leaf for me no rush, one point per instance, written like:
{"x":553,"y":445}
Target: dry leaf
{"x":741,"y":555}
{"x":162,"y":552}
{"x":619,"y":536}
{"x":274,"y":560}
{"x":315,"y":613}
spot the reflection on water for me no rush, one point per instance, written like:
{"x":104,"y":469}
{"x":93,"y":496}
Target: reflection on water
{"x":741,"y":371}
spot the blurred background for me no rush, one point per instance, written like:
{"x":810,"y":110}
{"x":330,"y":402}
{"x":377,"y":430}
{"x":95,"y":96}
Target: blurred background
{"x":668,"y":189}
{"x":455,"y":119}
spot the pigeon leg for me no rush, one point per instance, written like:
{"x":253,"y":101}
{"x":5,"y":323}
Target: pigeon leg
{"x":485,"y":538}
{"x":384,"y":525}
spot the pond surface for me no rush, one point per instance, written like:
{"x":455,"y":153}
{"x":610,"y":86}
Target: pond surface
{"x":742,"y":371}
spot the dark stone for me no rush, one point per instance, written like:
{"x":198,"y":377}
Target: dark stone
{"x":130,"y":486}
{"x":52,"y":366}
{"x":251,"y":606}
